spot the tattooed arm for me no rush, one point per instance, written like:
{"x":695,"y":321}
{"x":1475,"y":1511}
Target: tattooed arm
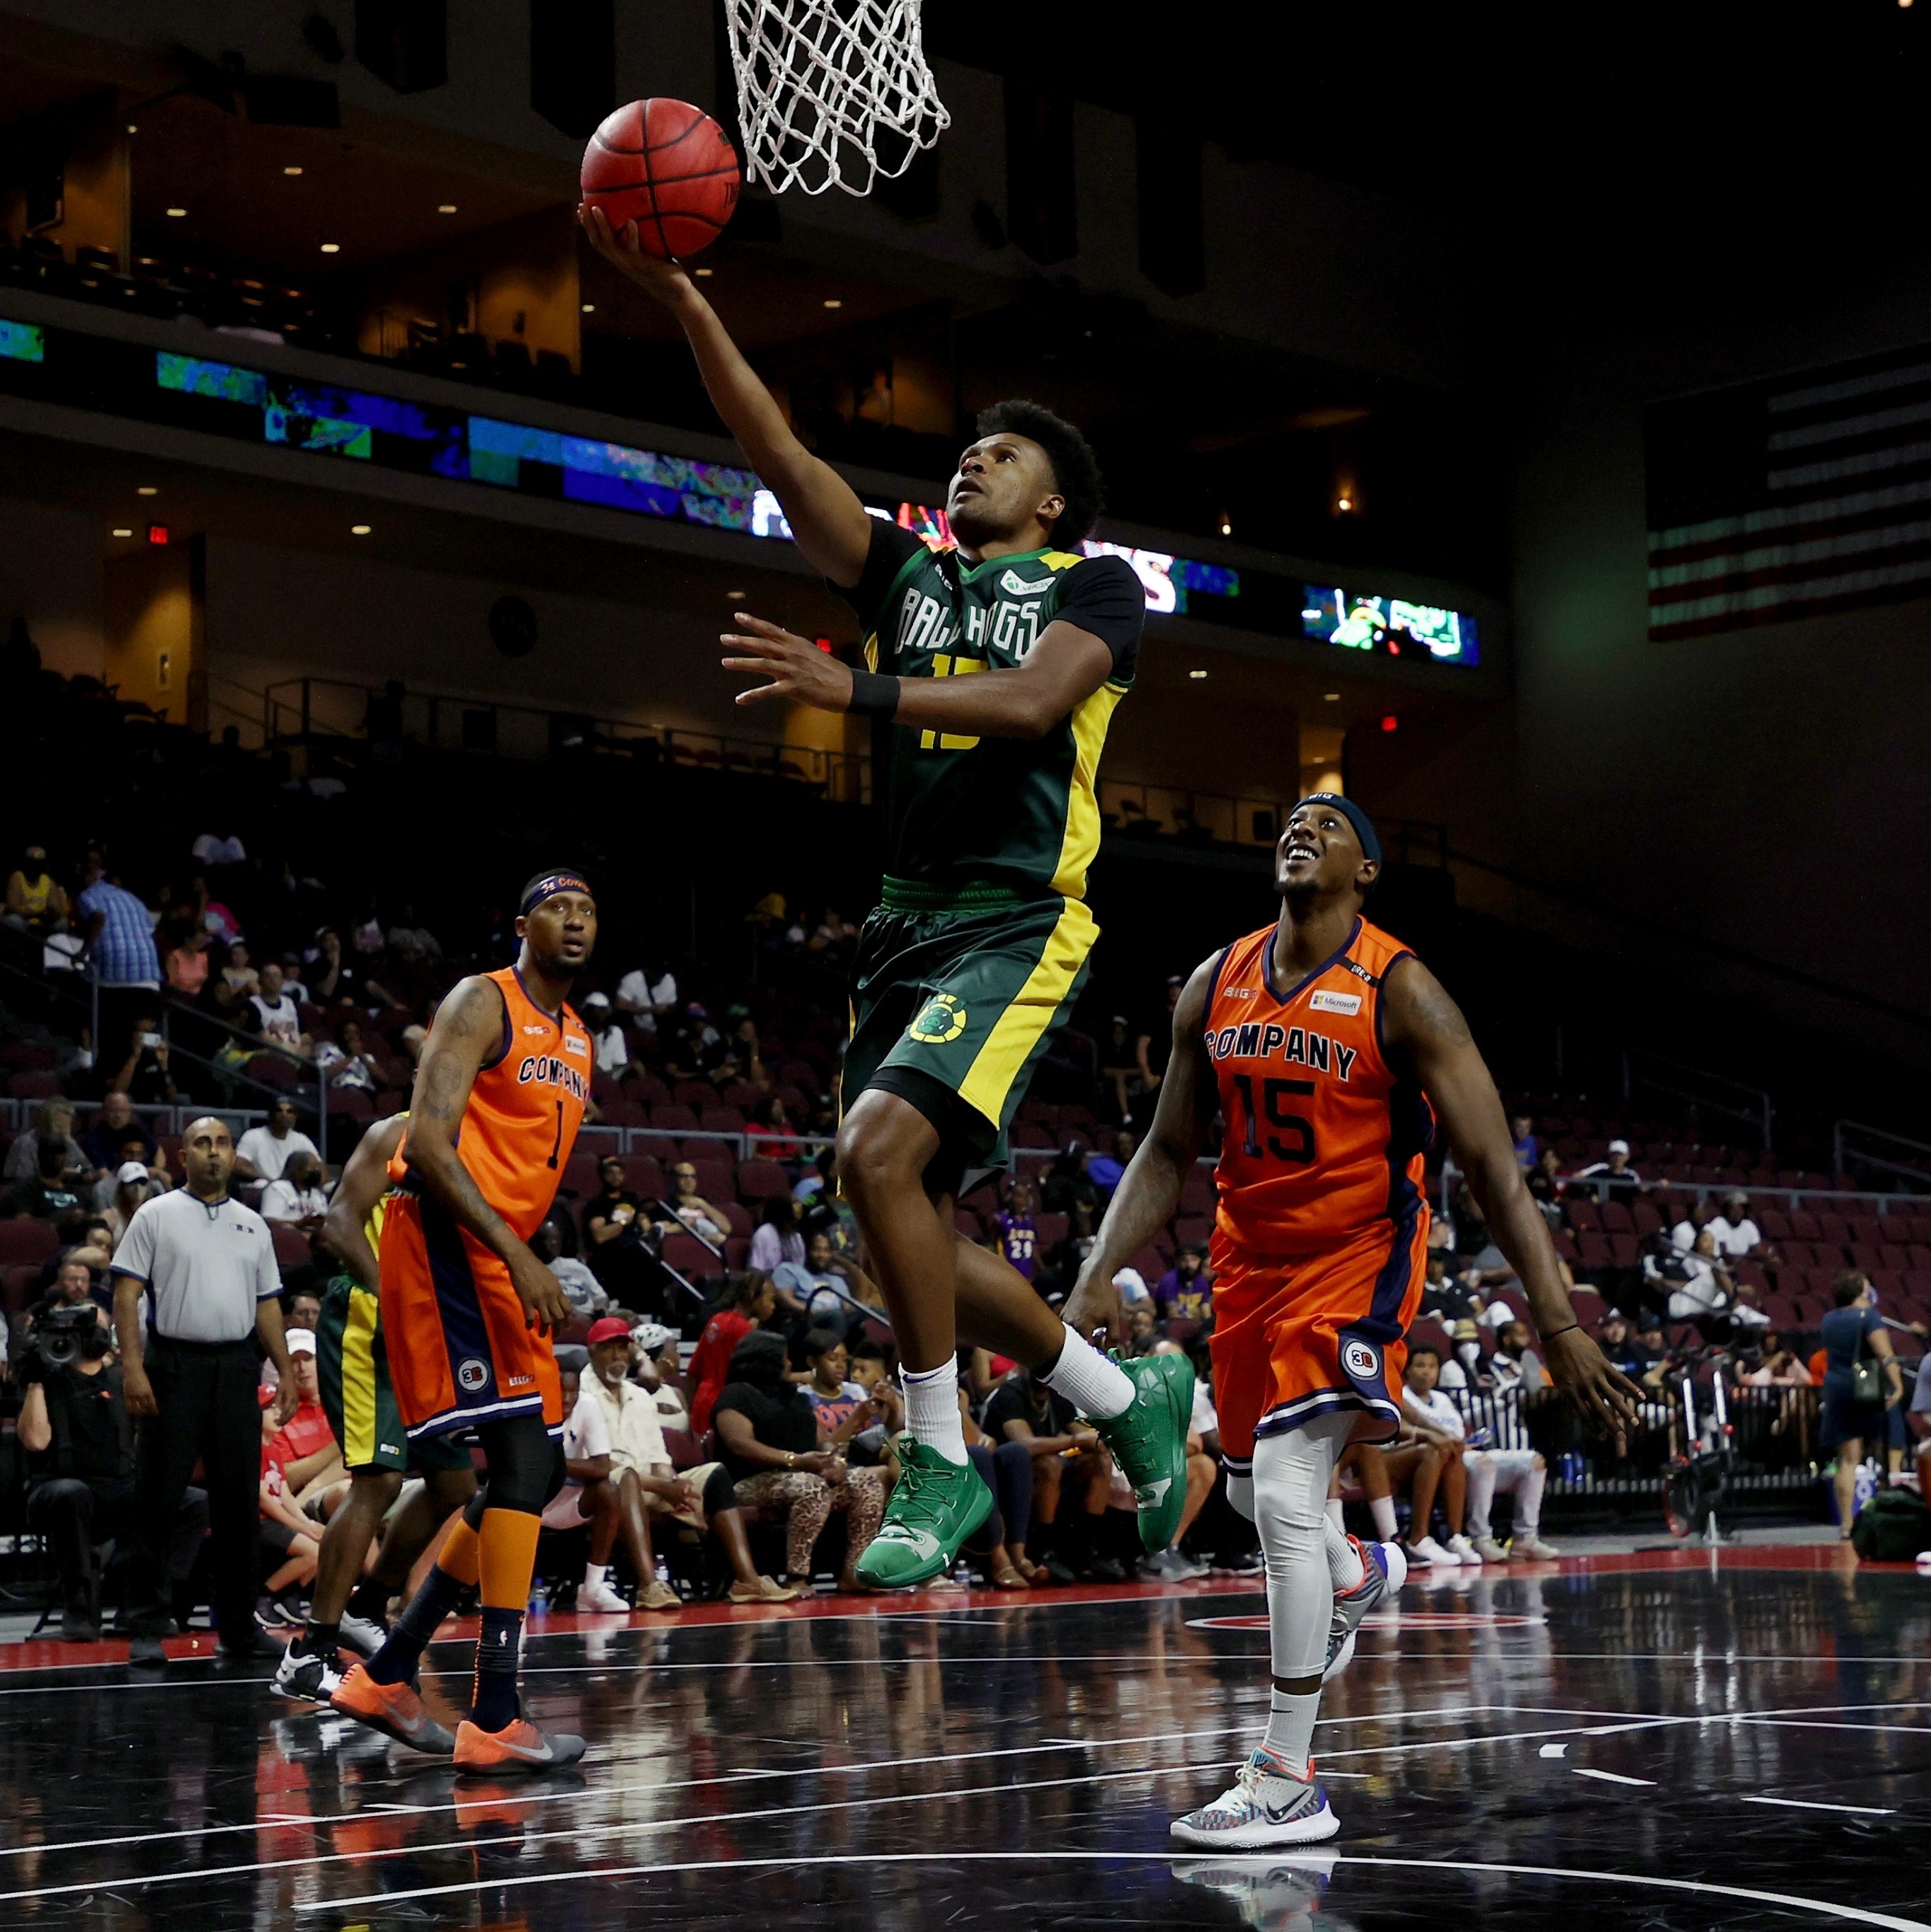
{"x":468,"y":1029}
{"x":1424,"y":1026}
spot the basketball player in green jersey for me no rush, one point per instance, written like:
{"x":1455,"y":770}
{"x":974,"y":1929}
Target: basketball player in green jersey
{"x":991,"y":671}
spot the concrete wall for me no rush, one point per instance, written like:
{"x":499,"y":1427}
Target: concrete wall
{"x":50,"y":574}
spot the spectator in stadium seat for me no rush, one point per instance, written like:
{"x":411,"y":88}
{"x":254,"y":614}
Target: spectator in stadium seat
{"x":1618,"y":1342}
{"x":581,"y":1289}
{"x":36,"y":900}
{"x":239,"y":972}
{"x":114,"y":1123}
{"x":186,"y":965}
{"x":1683,"y":1235}
{"x":1528,"y":1148}
{"x":776,"y":1241}
{"x":1142,"y":1329}
{"x":146,"y":1076}
{"x":347,"y":1061}
{"x":1547,"y":1196}
{"x":53,"y":1122}
{"x":1515,"y":1364}
{"x":1120,"y":1073}
{"x":740,"y":1061}
{"x":1185,"y":1293}
{"x":691,"y":1209}
{"x":411,"y":941}
{"x":1436,"y":1423}
{"x":748,"y":1301}
{"x":295,"y":1198}
{"x":1068,"y":1183}
{"x":772,"y":1126}
{"x":1779,"y":1367}
{"x":1015,"y":1231}
{"x":262,"y":1152}
{"x":1023,"y":1409}
{"x":1615,"y":1175}
{"x":276,"y":1017}
{"x":647,"y":996}
{"x":1737,"y":1235}
{"x":609,"y":1041}
{"x":133,"y":1184}
{"x":767,"y":1436}
{"x":1105,"y":1164}
{"x":815,"y":1286}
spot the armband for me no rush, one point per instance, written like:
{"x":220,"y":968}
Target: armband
{"x":873,"y":696}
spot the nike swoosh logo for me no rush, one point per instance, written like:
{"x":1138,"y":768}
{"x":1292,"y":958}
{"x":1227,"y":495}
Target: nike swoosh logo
{"x":1151,"y":1495}
{"x":922,"y":1540}
{"x":1279,"y":1814}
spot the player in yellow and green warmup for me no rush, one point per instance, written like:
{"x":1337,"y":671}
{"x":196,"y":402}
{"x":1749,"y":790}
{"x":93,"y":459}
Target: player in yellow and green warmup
{"x":991,"y":671}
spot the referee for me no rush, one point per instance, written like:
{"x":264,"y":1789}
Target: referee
{"x":208,"y":1266}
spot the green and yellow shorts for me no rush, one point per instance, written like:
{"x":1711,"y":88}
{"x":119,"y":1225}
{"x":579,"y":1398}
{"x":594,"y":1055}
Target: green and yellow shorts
{"x":954,"y":1002}
{"x":352,"y":1365}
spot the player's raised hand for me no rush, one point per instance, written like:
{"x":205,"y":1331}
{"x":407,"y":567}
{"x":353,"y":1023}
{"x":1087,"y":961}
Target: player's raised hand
{"x":797,"y":669}
{"x":619,"y":247}
{"x":1606,"y":1399}
{"x":545,"y":1307}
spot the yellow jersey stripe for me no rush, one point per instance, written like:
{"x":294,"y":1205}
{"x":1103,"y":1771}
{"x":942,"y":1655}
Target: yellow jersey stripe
{"x":358,"y":1378}
{"x":1091,"y":717}
{"x":1017,"y":1030}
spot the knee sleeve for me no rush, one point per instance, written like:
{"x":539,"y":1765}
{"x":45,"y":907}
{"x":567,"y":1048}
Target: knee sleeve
{"x":1291,"y":1475}
{"x":526,"y":1467}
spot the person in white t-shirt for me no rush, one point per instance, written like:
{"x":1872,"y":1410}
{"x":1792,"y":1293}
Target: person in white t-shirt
{"x":276,"y":1016}
{"x":297,"y":1199}
{"x":643,"y":997}
{"x":1434,"y":1417}
{"x":609,"y":1041}
{"x":261,"y":1152}
{"x":1519,"y":1469}
{"x":1736,"y":1233}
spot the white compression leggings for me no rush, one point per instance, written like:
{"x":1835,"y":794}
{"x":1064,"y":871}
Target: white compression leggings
{"x":1308,"y":1559}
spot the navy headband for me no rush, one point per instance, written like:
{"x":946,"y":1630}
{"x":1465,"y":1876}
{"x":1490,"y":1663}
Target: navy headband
{"x":1364,"y":829}
{"x":549,"y":886}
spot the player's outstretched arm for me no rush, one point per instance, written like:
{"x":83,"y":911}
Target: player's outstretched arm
{"x":364,"y":1181}
{"x":1422,"y":1021}
{"x":828,"y":522}
{"x":1150,"y":1191}
{"x":468,"y":1028}
{"x":1066,"y":666}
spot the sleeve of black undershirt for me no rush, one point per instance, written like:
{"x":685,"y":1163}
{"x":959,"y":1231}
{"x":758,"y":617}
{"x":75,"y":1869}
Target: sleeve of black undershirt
{"x":1102,"y":596}
{"x":890,"y":546}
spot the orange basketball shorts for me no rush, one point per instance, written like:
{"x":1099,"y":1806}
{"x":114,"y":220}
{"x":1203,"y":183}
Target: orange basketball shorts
{"x":460,"y":1352}
{"x":1296,"y":1337}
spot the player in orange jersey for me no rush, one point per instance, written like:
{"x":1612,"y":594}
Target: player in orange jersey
{"x":1329,"y":1052}
{"x":468,"y":1311}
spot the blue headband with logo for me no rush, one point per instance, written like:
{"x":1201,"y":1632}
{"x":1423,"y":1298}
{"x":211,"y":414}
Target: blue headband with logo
{"x":1364,"y":829}
{"x":547,"y":887}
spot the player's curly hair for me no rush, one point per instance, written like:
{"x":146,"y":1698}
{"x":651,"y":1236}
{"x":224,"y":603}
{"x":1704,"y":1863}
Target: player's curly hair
{"x":1075,"y":469}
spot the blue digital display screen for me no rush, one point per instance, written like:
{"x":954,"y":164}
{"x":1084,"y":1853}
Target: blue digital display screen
{"x":1393,"y":627}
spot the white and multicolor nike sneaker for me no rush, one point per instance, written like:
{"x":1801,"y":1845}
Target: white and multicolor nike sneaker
{"x":1383,"y":1571}
{"x":1264,"y":1806}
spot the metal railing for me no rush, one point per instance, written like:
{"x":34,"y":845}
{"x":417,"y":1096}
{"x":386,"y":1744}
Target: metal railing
{"x":301,"y":710}
{"x":1707,"y":1092}
{"x":1853,"y":1145}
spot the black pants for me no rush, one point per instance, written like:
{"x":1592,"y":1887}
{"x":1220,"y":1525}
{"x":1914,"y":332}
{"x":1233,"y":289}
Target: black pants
{"x":206,"y":1393}
{"x":74,"y":1513}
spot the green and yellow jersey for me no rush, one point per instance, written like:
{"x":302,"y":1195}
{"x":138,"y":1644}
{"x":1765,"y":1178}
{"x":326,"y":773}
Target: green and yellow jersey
{"x":968,"y":816}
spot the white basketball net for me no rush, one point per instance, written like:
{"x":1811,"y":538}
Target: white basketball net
{"x":820,"y":82}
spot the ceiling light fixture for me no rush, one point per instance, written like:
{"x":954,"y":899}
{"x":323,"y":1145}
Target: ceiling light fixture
{"x":291,"y":171}
{"x":446,"y":208}
{"x":590,"y":308}
{"x":177,"y":213}
{"x":706,"y":272}
{"x":123,"y":533}
{"x":1343,"y":503}
{"x":736,"y":596}
{"x":132,"y":129}
{"x":359,"y":529}
{"x":832,"y":301}
{"x":146,"y":490}
{"x":1196,"y":674}
{"x":1226,"y":527}
{"x":332,"y":247}
{"x":1332,"y":696}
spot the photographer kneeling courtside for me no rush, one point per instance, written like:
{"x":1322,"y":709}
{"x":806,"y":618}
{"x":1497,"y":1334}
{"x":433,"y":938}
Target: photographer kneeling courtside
{"x":189,"y":1374}
{"x":79,"y":1443}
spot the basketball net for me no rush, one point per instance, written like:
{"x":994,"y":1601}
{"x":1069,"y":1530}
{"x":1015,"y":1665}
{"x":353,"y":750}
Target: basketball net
{"x":831,"y":93}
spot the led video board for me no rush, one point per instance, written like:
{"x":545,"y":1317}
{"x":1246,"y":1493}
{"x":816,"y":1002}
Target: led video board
{"x":1388,"y":626}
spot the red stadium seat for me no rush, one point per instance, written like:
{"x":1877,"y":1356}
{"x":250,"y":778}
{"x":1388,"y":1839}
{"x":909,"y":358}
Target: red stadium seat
{"x":671,"y":1117}
{"x":1193,"y":1230}
{"x":1617,"y":1219}
{"x":19,"y":1286}
{"x":579,"y":1176}
{"x":1053,"y":1228}
{"x":291,"y":1248}
{"x":624,"y":1113}
{"x":759,"y":1180}
{"x":1584,"y":1215}
{"x":696,"y":1093}
{"x":721,"y":1120}
{"x":716,"y":1180}
{"x":23,"y":1239}
{"x":643,"y":1176}
{"x":690,"y":1257}
{"x":40,"y":1085}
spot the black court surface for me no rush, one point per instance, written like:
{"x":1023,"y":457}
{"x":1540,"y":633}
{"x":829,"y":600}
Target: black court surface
{"x":1666,"y":1740}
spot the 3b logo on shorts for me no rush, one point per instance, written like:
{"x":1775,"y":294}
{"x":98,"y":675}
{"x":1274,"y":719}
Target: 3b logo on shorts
{"x":941,"y":1019}
{"x":1362,"y":1359}
{"x":472,"y":1375}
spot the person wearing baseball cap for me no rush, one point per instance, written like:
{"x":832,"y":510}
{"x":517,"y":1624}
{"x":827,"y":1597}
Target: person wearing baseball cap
{"x":1615,"y":1175}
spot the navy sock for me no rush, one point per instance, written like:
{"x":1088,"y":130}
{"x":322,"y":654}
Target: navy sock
{"x":498,"y":1650}
{"x":317,"y":1639}
{"x":395,"y":1663}
{"x":370,"y":1599}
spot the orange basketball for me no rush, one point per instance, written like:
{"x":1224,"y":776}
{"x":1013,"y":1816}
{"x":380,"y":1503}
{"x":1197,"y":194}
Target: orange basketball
{"x":666,"y":166}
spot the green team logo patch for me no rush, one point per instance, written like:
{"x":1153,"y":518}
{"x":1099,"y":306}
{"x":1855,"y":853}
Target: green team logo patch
{"x":940,"y":1019}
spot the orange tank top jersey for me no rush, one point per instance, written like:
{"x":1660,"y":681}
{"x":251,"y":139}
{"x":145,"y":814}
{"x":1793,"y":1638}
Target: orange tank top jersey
{"x":525,"y":1108}
{"x":1322,"y":1225}
{"x":461,"y":1352}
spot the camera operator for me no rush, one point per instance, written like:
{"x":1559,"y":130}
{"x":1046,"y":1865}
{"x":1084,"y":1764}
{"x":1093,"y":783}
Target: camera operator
{"x":79,"y":1439}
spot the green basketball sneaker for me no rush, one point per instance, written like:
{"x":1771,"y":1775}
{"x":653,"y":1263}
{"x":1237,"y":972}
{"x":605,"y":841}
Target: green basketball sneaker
{"x":1149,"y":1441}
{"x":936,"y":1505}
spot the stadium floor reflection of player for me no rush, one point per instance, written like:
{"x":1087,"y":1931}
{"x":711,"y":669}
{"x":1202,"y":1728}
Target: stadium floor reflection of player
{"x":1330,"y":1052}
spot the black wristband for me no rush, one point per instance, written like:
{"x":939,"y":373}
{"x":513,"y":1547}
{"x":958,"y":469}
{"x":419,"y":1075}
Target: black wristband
{"x":1554,"y":1332}
{"x":873,"y":696}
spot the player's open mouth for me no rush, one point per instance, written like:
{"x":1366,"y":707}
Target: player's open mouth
{"x":1296,"y":854}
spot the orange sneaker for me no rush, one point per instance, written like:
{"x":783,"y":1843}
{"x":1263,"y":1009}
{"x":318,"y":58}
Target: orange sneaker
{"x":518,"y":1745}
{"x":393,"y":1708}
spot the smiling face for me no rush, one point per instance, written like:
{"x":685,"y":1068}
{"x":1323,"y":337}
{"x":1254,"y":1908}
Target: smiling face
{"x":1319,"y":854}
{"x":1003,"y":482}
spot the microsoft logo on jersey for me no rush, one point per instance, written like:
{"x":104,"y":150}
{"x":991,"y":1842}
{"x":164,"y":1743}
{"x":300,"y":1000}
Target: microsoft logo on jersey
{"x":941,"y":1019}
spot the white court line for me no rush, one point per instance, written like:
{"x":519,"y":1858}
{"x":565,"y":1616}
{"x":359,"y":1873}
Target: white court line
{"x":1857,"y":1914}
{"x":540,"y":1796}
{"x":1812,"y":1805}
{"x":1609,"y":1777}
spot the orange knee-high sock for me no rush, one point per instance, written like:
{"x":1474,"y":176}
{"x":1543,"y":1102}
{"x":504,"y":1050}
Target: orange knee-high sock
{"x":509,"y":1550}
{"x":451,"y":1574}
{"x":461,"y":1553}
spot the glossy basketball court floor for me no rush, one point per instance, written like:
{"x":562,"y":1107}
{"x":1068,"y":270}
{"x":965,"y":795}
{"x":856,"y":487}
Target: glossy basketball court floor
{"x":1664,"y":1739}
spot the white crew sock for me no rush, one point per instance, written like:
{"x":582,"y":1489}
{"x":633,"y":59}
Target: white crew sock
{"x":1335,"y":1515}
{"x":594,"y":1574}
{"x":1099,"y":1390}
{"x":1346,"y":1567}
{"x":1290,"y":1729}
{"x":1382,"y":1508}
{"x":931,"y":1408}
